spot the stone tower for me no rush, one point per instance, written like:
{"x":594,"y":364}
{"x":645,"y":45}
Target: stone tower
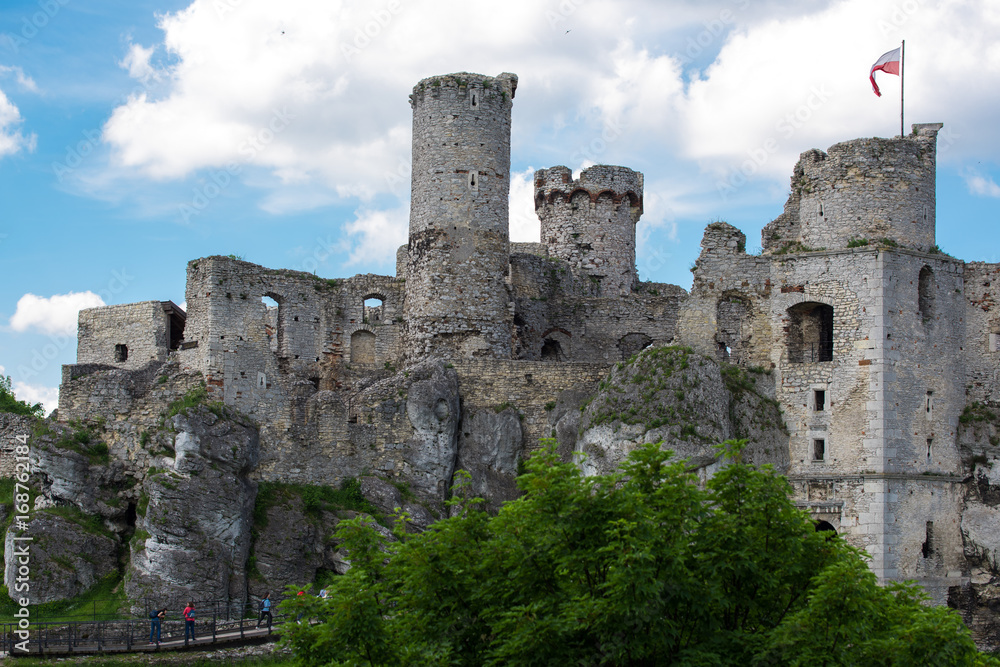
{"x":590,"y":223}
{"x":457,"y":300}
{"x":862,"y":190}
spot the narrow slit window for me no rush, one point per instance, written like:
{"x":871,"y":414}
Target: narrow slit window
{"x":927,"y":549}
{"x":121,"y":353}
{"x":819,"y":449}
{"x":473,"y":180}
{"x":929,"y":405}
{"x":819,"y":400}
{"x":475,"y":100}
{"x":930,"y":443}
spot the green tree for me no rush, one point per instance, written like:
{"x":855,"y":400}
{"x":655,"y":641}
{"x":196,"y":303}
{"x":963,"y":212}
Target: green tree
{"x":640,"y":567}
{"x":9,"y":403}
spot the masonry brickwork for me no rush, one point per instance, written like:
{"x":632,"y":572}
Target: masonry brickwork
{"x":876,"y":341}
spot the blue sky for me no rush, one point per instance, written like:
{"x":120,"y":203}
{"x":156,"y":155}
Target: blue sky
{"x":135,"y":136}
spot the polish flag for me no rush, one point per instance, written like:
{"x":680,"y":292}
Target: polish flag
{"x":888,"y":63}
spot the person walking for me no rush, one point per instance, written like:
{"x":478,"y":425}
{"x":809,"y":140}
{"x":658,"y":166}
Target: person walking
{"x":189,"y":622}
{"x":155,"y":624}
{"x":265,"y":610}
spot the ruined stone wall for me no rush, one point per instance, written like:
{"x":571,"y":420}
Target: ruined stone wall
{"x":12,"y":426}
{"x":726,"y":314}
{"x":559,"y":316}
{"x":456,"y":297}
{"x":140,"y":332}
{"x":528,"y":386}
{"x":870,"y":189}
{"x":982,"y":331}
{"x":589,"y":223}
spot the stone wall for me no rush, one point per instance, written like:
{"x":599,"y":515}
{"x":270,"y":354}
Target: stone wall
{"x":127,"y":336}
{"x":982,"y":331}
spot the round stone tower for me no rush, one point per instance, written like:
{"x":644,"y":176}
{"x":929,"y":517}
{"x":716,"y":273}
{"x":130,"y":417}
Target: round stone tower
{"x":457,"y":301}
{"x":865,"y":190}
{"x":590,"y":222}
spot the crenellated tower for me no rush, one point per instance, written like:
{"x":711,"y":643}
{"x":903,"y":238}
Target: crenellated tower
{"x":457,"y":299}
{"x":590,"y":222}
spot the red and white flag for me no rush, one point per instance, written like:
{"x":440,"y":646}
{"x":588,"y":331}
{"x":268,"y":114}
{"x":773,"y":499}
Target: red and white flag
{"x":888,"y":63}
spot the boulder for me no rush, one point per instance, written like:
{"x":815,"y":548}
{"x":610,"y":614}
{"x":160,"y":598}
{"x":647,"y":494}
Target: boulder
{"x":68,"y":554}
{"x":490,"y":445}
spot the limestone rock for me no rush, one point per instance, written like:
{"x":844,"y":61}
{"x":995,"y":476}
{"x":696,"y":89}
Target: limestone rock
{"x":432,"y":406}
{"x":194,"y":538}
{"x":685,"y":401}
{"x":489,"y":449}
{"x":69,"y":554}
{"x":293,"y":545}
{"x":387,"y":499}
{"x":564,"y":420}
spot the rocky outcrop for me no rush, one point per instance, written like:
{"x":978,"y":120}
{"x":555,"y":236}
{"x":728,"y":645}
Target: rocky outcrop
{"x":490,"y":446}
{"x":387,"y":498}
{"x":685,"y":401}
{"x":291,"y":545}
{"x":433,"y":409}
{"x":193,"y":535}
{"x":69,"y":552}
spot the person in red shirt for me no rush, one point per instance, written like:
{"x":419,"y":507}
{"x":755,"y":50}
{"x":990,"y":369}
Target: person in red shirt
{"x":189,"y":621}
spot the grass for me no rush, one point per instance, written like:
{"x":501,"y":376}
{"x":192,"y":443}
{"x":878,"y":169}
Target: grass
{"x":104,"y":601}
{"x":83,"y":439}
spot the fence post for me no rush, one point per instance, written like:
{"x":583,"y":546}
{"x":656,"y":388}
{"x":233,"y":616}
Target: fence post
{"x":213,"y":626}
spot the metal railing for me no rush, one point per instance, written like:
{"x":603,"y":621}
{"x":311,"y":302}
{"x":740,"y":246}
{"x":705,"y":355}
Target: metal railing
{"x":225,"y":622}
{"x":799,"y":353}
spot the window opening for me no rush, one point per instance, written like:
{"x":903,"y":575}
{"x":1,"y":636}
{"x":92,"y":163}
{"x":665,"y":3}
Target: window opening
{"x":925,"y":294}
{"x":819,"y":400}
{"x":927,"y":549}
{"x":819,"y":449}
{"x":363,"y":348}
{"x":930,"y":442}
{"x":551,"y":350}
{"x":810,"y":333}
{"x":929,"y":405}
{"x":373,"y":310}
{"x":121,"y":352}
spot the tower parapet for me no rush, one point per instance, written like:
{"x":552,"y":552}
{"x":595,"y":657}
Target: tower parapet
{"x":590,"y":222}
{"x":458,"y":252}
{"x":862,"y":190}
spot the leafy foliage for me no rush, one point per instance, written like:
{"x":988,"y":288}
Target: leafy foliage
{"x":9,"y":402}
{"x":640,"y":567}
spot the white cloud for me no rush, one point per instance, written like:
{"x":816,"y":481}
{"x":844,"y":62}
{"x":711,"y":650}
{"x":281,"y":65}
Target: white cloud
{"x":11,"y":139}
{"x":23,"y":79}
{"x":981,"y":185}
{"x":31,"y":394}
{"x":55,"y":315}
{"x":524,"y":223}
{"x":137,"y":62}
{"x":375,"y":235}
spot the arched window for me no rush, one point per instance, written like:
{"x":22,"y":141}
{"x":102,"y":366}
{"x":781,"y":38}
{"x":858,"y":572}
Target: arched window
{"x":552,"y":350}
{"x":925,"y":294}
{"x":810,"y":333}
{"x":633,"y":343}
{"x":732,"y":328}
{"x":374,"y":311}
{"x":363,"y":348}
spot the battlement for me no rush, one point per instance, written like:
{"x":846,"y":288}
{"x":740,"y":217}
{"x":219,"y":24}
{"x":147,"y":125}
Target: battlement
{"x":862,"y":190}
{"x":590,"y":222}
{"x":466,"y":85}
{"x":618,"y":183}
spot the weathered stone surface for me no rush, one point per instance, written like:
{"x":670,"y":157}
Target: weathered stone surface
{"x":12,"y":426}
{"x":490,"y":445}
{"x":387,"y":498}
{"x":66,"y":558}
{"x":293,"y":545}
{"x":683,"y":400}
{"x":195,"y":536}
{"x":432,"y":406}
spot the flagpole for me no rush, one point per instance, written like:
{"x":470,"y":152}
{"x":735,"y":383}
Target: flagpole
{"x":902,"y":57}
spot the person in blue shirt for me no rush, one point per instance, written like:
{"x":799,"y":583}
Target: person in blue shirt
{"x":265,"y":610}
{"x":155,"y":622}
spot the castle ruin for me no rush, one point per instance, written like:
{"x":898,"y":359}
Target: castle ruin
{"x":875,"y":341}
